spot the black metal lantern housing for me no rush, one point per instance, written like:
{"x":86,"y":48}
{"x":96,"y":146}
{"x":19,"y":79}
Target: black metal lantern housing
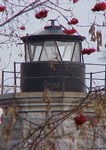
{"x":52,"y":60}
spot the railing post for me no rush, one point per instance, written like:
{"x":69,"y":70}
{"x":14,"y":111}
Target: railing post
{"x":105,"y":78}
{"x":63,"y":84}
{"x":14,"y":77}
{"x":2,"y":82}
{"x":90,"y":81}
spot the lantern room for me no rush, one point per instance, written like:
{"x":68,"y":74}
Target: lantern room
{"x":53,"y":61}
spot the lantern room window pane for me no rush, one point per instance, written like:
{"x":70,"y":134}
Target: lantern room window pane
{"x":76,"y":54}
{"x":33,"y":51}
{"x":53,"y":50}
{"x":27,"y":58}
{"x":50,"y":52}
{"x":69,"y":51}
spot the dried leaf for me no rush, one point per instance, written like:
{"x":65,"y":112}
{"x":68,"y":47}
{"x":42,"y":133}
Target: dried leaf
{"x":46,"y":96}
{"x":92,"y":32}
{"x":92,"y":29}
{"x":52,"y":66}
{"x":99,"y":39}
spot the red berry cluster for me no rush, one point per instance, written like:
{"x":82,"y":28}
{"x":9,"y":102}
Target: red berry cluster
{"x":87,"y":51}
{"x":2,"y":8}
{"x":99,"y":7}
{"x":73,"y":21}
{"x":79,"y":120}
{"x":41,"y":14}
{"x":75,"y":1}
{"x":70,"y":31}
{"x":22,"y":28}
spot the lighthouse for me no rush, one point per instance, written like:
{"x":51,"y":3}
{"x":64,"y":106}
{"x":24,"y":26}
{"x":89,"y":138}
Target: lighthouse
{"x":53,"y":61}
{"x":49,"y":110}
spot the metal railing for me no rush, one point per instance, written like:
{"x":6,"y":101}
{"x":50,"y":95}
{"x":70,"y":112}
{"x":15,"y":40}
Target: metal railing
{"x":11,"y":80}
{"x":95,"y":77}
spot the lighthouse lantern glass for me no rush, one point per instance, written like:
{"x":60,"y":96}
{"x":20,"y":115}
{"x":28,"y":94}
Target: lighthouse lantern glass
{"x":53,"y":50}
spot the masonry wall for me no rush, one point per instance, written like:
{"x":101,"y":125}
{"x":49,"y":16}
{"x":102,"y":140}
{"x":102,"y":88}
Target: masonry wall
{"x":42,"y":121}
